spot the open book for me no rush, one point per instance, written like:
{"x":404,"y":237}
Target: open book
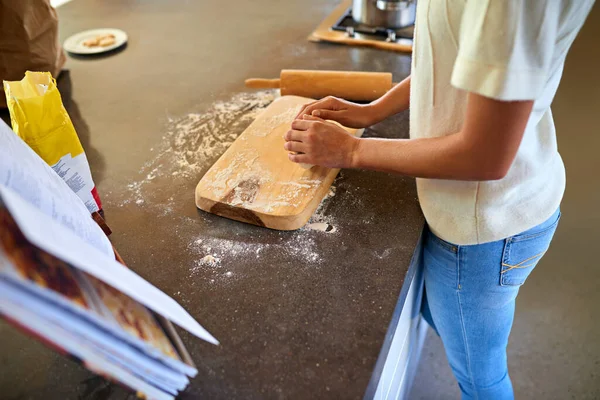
{"x":60,"y":282}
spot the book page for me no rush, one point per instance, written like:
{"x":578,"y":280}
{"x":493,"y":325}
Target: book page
{"x":132,"y":317}
{"x":23,"y":262}
{"x":27,"y":174}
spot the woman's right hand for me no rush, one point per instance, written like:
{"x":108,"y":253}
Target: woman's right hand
{"x":349,"y":114}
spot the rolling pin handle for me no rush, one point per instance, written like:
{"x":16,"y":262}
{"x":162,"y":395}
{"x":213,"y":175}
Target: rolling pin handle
{"x":256,"y":83}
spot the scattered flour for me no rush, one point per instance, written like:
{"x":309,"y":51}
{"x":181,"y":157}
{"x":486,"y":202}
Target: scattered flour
{"x":321,"y":226}
{"x":320,"y":216}
{"x":195,"y":141}
{"x":190,"y":146}
{"x":299,"y":245}
{"x":230,"y":252}
{"x":383,"y":254}
{"x":210,"y":260}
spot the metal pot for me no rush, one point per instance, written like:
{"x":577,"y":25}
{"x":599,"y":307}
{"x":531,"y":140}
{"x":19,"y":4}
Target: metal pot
{"x":392,"y":14}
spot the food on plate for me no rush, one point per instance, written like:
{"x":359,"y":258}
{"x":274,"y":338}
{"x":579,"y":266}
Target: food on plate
{"x":104,"y":40}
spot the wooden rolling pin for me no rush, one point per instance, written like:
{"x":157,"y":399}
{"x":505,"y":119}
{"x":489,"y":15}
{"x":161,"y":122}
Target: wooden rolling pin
{"x":356,"y":86}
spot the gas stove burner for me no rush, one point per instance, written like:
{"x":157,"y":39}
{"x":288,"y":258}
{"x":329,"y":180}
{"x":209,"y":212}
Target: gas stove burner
{"x":347,"y":24}
{"x":341,"y":28}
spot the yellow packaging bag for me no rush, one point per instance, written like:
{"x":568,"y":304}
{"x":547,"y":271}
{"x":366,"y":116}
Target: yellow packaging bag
{"x":40,"y":119}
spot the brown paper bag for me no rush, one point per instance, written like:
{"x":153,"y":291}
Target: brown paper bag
{"x":28,"y":40}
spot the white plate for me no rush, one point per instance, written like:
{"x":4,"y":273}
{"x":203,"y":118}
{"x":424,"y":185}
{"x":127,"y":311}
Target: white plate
{"x":74,"y":44}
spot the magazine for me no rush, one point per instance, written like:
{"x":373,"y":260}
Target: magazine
{"x":60,"y":282}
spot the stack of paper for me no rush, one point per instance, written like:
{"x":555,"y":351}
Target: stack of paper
{"x":59,"y":281}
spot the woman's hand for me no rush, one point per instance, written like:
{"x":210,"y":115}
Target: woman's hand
{"x":318,"y":142}
{"x":346,"y":113}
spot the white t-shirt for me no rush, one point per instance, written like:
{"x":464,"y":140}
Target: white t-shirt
{"x":506,"y":50}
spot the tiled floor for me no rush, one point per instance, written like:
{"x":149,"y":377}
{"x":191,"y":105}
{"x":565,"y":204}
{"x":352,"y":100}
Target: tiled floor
{"x":554,"y":351}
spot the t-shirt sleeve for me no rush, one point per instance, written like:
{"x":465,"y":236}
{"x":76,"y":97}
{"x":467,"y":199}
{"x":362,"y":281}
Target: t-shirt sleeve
{"x":505,"y":47}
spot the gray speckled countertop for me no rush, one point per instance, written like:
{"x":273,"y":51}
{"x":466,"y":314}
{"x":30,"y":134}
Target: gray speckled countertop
{"x":299,"y":314}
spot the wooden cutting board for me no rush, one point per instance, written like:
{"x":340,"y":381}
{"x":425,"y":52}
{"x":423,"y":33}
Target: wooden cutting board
{"x":255,"y":182}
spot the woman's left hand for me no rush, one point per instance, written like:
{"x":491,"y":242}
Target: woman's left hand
{"x":318,"y":142}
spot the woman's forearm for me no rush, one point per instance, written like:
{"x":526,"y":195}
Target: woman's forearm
{"x":483,"y":149}
{"x":394,"y":101}
{"x":447,"y":157}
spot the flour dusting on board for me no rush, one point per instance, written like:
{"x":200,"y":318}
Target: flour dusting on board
{"x":292,"y":197}
{"x":251,"y":172}
{"x":276,"y":120}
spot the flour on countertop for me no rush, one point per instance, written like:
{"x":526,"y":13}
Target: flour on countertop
{"x":299,"y":245}
{"x":195,"y":141}
{"x":319,"y":215}
{"x":231,"y":252}
{"x":190,"y":146}
{"x":210,"y":260}
{"x":383,"y":254}
{"x":322,"y":227}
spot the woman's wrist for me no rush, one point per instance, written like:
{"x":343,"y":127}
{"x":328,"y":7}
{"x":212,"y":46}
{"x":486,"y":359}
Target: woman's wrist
{"x":376,"y":112}
{"x":356,"y":154}
{"x":393,"y":102}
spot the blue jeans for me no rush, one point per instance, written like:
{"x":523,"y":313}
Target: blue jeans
{"x":469,"y":301}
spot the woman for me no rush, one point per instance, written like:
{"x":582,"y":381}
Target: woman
{"x":483,"y":147}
